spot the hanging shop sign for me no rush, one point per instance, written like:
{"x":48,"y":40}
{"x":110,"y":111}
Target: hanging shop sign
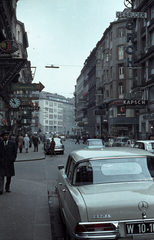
{"x":27,"y":87}
{"x":130,"y":36}
{"x":9,"y":46}
{"x":14,"y":66}
{"x":28,"y":108}
{"x":131,"y":14}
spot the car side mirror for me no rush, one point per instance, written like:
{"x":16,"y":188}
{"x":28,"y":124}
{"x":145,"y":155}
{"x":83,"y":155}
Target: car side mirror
{"x":60,"y":167}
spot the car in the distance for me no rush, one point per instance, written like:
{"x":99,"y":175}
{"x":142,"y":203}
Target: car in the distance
{"x":120,"y":141}
{"x":59,"y":146}
{"x":130,"y":143}
{"x":147,"y":145}
{"x":94,"y":143}
{"x":107,"y":194}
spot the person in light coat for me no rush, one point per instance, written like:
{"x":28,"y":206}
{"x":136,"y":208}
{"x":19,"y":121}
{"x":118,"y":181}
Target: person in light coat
{"x":26,"y":142}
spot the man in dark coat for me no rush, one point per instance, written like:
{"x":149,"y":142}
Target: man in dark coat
{"x":8,"y":154}
{"x":35,"y":142}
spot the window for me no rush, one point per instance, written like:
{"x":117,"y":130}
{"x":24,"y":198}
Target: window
{"x":50,"y":122}
{"x":111,"y":71}
{"x":152,"y":39}
{"x":152,"y":94}
{"x":107,"y":57}
{"x":50,"y":110}
{"x":121,"y":88}
{"x":121,"y":72}
{"x":121,"y":32}
{"x":46,"y":102}
{"x":46,"y":121}
{"x":51,"y":104}
{"x":50,"y":116}
{"x":70,"y":170}
{"x":152,"y":12}
{"x":121,"y":52}
{"x":152,"y":67}
{"x":107,"y":93}
{"x":55,"y":104}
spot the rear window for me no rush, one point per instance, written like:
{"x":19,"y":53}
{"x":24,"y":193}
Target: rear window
{"x":114,"y":170}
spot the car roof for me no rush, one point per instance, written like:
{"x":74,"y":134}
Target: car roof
{"x":108,"y":152}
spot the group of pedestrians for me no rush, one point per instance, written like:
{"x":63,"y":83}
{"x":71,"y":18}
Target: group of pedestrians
{"x":27,"y":141}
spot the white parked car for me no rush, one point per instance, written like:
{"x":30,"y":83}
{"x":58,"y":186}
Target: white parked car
{"x":147,"y":145}
{"x":107,"y":194}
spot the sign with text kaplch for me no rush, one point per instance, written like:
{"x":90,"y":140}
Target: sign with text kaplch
{"x":14,"y":66}
{"x":27,"y":87}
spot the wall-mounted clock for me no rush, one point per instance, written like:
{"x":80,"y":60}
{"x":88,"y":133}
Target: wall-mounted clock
{"x":14,"y":102}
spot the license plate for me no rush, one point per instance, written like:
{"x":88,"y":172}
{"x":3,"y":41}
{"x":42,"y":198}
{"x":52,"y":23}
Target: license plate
{"x":139,"y":228}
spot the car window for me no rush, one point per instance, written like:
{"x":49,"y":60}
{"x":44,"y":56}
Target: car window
{"x":139,"y":145}
{"x":83,"y":174}
{"x":120,"y":170}
{"x":124,"y":139}
{"x":94,"y":143}
{"x":70,"y":170}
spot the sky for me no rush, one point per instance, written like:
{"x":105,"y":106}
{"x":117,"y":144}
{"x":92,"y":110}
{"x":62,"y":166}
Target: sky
{"x":63,"y":33}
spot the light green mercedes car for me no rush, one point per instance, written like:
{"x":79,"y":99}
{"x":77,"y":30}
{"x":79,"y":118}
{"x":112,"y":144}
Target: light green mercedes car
{"x":108,"y":194}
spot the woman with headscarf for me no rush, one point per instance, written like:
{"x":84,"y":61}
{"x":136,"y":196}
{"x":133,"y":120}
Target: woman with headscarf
{"x":26,"y":142}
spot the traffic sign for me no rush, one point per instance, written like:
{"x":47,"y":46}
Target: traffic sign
{"x":27,"y":87}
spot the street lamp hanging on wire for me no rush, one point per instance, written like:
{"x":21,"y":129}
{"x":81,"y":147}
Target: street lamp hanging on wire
{"x":52,"y":66}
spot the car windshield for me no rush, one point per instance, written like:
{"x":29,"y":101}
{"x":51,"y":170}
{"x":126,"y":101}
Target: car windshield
{"x":115,"y":170}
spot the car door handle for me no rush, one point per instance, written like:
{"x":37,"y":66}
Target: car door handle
{"x":64,"y":190}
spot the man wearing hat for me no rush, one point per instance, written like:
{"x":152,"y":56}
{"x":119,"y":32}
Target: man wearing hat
{"x":8,"y":154}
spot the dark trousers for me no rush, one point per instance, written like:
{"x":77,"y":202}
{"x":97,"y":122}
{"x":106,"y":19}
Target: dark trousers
{"x":35,"y":148}
{"x":7,"y":185}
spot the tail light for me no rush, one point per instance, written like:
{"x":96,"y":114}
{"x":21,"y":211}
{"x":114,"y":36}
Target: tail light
{"x":82,"y":228}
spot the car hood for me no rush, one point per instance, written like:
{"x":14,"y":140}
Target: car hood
{"x":117,"y":201}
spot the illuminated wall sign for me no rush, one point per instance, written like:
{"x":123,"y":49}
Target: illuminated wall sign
{"x":9,"y":46}
{"x":130,"y":38}
{"x":135,"y":102}
{"x":131,"y":14}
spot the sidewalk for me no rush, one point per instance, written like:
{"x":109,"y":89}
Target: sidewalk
{"x":31,"y":155}
{"x":24,"y":213}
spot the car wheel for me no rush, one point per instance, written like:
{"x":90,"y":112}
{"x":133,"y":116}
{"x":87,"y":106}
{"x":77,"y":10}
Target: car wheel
{"x":62,"y":152}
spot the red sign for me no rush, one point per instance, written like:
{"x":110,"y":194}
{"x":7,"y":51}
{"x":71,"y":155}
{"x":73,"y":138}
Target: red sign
{"x":9,"y":46}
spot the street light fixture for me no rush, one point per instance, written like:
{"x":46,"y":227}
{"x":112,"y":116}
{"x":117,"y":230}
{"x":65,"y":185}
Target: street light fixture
{"x":52,"y":66}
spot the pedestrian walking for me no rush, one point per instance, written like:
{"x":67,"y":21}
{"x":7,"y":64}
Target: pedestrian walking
{"x":20,"y":143}
{"x":8,"y":154}
{"x":36,"y":142}
{"x":77,"y":140}
{"x":26,"y":142}
{"x":52,"y":147}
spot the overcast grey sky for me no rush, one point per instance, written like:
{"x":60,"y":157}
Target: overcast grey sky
{"x":63,"y":33}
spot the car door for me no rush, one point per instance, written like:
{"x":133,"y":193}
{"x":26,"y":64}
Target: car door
{"x":68,"y":205}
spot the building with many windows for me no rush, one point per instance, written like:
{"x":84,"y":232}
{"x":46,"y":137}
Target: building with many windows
{"x":56,"y":114}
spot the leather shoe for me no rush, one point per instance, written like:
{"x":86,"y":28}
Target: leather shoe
{"x":7,"y":190}
{"x":1,"y":192}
